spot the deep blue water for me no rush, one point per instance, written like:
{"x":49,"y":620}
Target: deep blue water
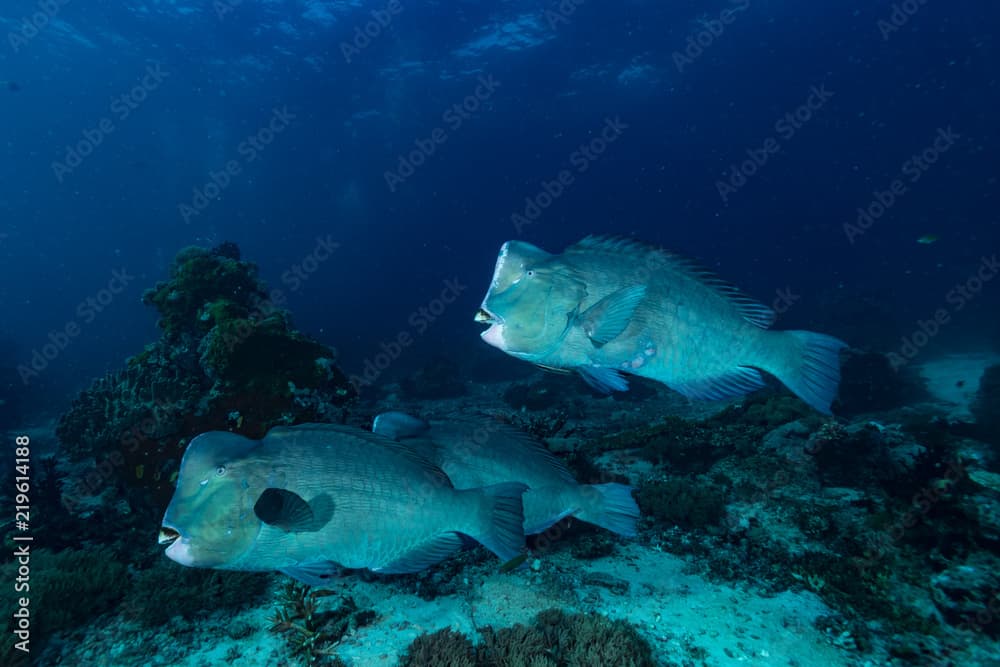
{"x":558,"y":74}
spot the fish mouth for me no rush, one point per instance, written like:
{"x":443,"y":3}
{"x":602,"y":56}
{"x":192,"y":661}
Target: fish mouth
{"x":484,"y":316}
{"x":168,"y":535}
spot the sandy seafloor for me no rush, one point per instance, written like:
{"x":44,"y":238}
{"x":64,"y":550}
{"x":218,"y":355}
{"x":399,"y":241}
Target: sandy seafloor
{"x":688,"y":616}
{"x":678,"y":613}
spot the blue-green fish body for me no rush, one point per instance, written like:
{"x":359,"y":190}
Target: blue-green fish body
{"x":608,"y":307}
{"x":310,"y":499}
{"x":481,"y":452}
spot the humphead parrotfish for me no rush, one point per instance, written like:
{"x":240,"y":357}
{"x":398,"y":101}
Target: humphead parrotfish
{"x":482,"y":452}
{"x":308,"y":500}
{"x":607,"y":307}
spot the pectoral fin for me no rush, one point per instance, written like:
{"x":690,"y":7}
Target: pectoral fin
{"x":608,"y":318}
{"x":284,"y":509}
{"x":603,"y":380}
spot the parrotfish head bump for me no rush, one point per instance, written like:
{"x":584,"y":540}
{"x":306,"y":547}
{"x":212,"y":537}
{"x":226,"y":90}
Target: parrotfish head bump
{"x":529,"y":303}
{"x":210,"y":520}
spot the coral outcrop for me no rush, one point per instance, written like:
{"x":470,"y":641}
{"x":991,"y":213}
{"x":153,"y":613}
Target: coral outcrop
{"x":228,"y":359}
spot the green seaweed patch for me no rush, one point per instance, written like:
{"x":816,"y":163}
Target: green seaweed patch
{"x":765,"y":411}
{"x":68,"y":589}
{"x":220,"y":311}
{"x":684,"y":445}
{"x":199,"y":277}
{"x":312,"y":633}
{"x":689,"y":503}
{"x":444,"y":648}
{"x":166,"y":590}
{"x":861,"y":592}
{"x":141,"y":359}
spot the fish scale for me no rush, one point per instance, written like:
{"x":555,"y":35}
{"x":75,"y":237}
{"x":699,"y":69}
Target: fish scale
{"x":476,"y":452}
{"x":350,"y":499}
{"x":608,"y":307}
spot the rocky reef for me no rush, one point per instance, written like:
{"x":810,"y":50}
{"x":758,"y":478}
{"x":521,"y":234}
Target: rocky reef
{"x":228,"y":359}
{"x":986,"y":407}
{"x":892,"y":524}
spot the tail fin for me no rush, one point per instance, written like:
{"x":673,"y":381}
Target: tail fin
{"x":610,"y":506}
{"x":810,"y":366}
{"x":501,"y":526}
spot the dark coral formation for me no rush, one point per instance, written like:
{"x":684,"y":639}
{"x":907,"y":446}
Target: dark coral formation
{"x":986,"y":407}
{"x":554,"y":639}
{"x":685,"y":503}
{"x":228,"y":359}
{"x":444,"y":648}
{"x":884,"y":521}
{"x":869,"y":383}
{"x":67,"y":589}
{"x":694,"y":446}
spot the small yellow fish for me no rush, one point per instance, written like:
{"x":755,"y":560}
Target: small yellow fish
{"x":927,"y":239}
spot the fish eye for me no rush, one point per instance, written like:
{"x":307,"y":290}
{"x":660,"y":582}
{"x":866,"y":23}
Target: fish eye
{"x":220,"y":471}
{"x":530,"y":273}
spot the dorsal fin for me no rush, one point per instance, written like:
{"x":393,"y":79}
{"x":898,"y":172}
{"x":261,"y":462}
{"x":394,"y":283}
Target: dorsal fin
{"x":752,"y":311}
